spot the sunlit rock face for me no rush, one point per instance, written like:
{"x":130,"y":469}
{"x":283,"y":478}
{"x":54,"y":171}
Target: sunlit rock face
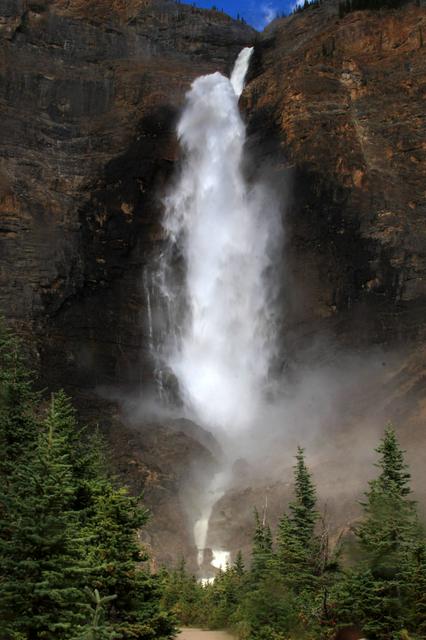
{"x":341,"y":102}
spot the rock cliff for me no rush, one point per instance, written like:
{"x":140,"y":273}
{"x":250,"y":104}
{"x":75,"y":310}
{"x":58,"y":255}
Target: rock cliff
{"x":89,"y":93}
{"x":343,"y":102}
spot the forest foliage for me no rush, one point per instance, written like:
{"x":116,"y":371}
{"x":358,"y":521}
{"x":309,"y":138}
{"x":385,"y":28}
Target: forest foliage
{"x":296,"y":586}
{"x":72,"y":567}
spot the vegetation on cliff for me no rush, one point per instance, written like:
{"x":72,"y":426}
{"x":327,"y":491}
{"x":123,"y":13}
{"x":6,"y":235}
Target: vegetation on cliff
{"x":298,"y":587}
{"x":346,"y":6}
{"x":71,"y":566}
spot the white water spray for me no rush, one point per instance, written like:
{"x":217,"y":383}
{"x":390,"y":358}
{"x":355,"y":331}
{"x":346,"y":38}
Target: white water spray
{"x":223,"y":228}
{"x":215,"y":491}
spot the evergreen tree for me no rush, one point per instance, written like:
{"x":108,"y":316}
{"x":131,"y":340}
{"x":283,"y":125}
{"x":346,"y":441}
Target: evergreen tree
{"x":416,"y":592}
{"x":40,"y":560}
{"x":378,"y":593}
{"x":238,"y":566}
{"x":390,"y":528}
{"x":97,"y":629}
{"x":115,"y":553}
{"x":261,"y":550}
{"x":184,"y":596}
{"x":63,"y":525}
{"x":18,"y":429}
{"x":303,"y":513}
{"x":297,"y":545}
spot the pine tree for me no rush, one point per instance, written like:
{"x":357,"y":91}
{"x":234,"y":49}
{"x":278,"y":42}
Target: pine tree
{"x":183,"y":595}
{"x":297,"y":545}
{"x":40,"y":562}
{"x":261,"y":550}
{"x":378,"y":592}
{"x":390,"y":528}
{"x":98,"y":628}
{"x":115,"y":552}
{"x":64,"y":526}
{"x":238,"y":565}
{"x":416,"y":588}
{"x":303,"y":513}
{"x":18,"y":429}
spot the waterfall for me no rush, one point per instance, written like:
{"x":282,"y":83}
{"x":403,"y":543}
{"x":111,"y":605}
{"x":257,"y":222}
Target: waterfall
{"x":222,"y":227}
{"x":240,"y":70}
{"x":215,"y":491}
{"x":212,"y":280}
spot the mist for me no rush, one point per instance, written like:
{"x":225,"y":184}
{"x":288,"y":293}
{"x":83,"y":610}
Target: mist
{"x":216,"y":305}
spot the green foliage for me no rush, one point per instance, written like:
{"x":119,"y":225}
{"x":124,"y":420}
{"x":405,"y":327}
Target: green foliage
{"x":273,"y":599}
{"x":307,"y":4}
{"x":298,"y":546}
{"x":262,"y":549}
{"x":17,"y":403}
{"x":346,"y":6}
{"x":66,"y":530}
{"x":40,"y":562}
{"x":97,"y":629}
{"x":302,"y":509}
{"x":299,"y":590}
{"x":182,"y":594}
{"x":380,"y":593}
{"x":71,"y":566}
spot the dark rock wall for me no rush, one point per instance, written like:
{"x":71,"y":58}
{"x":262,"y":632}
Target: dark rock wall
{"x":89,"y":94}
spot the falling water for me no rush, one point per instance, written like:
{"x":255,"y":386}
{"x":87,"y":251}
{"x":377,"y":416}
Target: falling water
{"x":214,"y":492}
{"x":222,"y":227}
{"x":219,"y":230}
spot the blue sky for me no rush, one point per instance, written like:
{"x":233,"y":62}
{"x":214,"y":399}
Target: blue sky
{"x":258,"y":13}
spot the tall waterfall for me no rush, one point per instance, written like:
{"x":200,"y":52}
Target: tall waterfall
{"x":222,"y":227}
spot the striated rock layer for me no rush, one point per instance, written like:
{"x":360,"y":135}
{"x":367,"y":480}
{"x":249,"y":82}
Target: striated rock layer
{"x":343,"y":102}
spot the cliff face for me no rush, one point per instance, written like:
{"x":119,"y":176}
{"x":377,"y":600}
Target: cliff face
{"x":336,"y":113}
{"x":343,"y":102}
{"x":89,"y":92}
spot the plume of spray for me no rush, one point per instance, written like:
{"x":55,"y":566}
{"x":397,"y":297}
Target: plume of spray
{"x":224,"y":228}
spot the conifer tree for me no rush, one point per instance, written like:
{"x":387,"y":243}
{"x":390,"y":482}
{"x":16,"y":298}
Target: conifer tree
{"x":115,"y":552}
{"x":416,"y":592}
{"x":391,"y":526}
{"x":40,"y":561}
{"x":64,"y":526}
{"x":238,"y":566}
{"x":98,"y":628}
{"x":297,"y":545}
{"x":378,"y":593}
{"x":18,"y":429}
{"x":183,"y":595}
{"x":303,"y":513}
{"x":262,"y":549}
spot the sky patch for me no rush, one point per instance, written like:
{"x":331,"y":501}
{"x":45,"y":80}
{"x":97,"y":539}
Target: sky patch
{"x":257,"y":14}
